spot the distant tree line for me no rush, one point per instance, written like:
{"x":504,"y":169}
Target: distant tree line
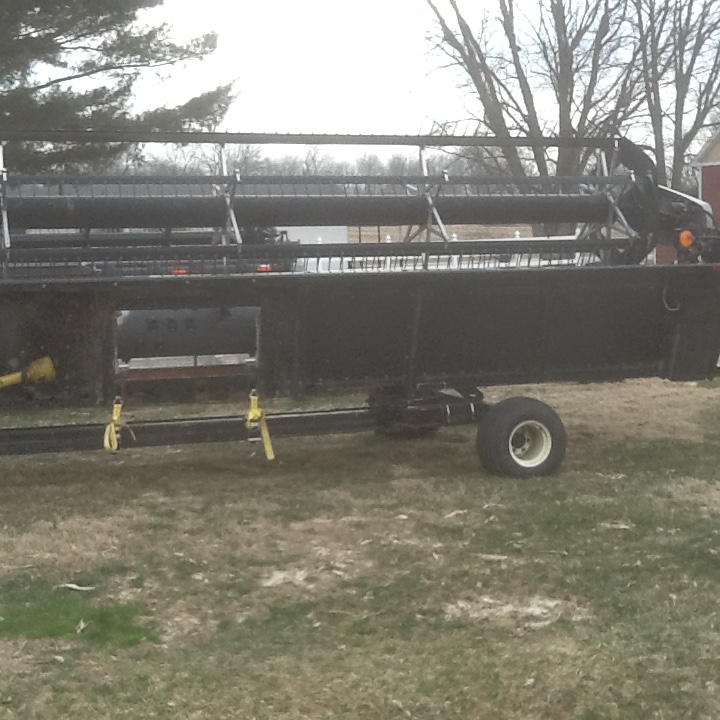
{"x":249,"y":160}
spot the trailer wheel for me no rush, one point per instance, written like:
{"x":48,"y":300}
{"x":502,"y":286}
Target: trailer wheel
{"x":521,"y":437}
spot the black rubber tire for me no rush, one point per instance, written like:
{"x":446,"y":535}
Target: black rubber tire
{"x":527,"y":419}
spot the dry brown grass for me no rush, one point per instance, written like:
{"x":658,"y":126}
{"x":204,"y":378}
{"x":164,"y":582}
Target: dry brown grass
{"x":357,"y":577}
{"x":648,"y":409}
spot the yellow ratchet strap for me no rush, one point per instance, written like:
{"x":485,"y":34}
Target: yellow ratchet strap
{"x":114,"y":427}
{"x":256,"y":421}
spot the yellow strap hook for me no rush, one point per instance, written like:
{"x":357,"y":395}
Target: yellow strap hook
{"x":112,"y":431}
{"x":257,"y":422}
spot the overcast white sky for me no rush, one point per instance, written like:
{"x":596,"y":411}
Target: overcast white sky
{"x":334,"y":66}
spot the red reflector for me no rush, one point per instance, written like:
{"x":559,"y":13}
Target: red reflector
{"x":265,"y":268}
{"x":179,"y":272}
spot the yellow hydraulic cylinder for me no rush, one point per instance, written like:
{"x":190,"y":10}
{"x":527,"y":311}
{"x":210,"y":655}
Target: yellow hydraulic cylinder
{"x":11,"y":379}
{"x":41,"y":370}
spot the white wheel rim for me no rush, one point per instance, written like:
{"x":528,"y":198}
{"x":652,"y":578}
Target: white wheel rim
{"x":530,"y":444}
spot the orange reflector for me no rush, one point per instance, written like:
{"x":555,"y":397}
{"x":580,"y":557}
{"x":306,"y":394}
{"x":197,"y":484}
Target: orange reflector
{"x":179,"y":272}
{"x":265,"y":268}
{"x":687,"y":239}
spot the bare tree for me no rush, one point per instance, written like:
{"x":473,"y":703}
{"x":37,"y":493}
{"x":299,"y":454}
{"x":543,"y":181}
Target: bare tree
{"x":370,"y":164}
{"x":679,"y":42}
{"x":245,"y":159}
{"x":285,"y":165}
{"x":571,"y":71}
{"x":399,"y":165}
{"x":174,"y":160}
{"x":316,"y":162}
{"x":591,"y":68}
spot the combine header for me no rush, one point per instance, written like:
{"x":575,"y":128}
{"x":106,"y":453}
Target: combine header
{"x":423,"y":324}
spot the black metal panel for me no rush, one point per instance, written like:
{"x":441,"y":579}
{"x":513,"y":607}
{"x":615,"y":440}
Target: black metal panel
{"x":194,"y":212}
{"x":358,"y":211}
{"x":360,"y":334}
{"x":487,"y":326}
{"x":496,"y":327}
{"x":116,"y":212}
{"x":595,"y":321}
{"x":523,"y":209}
{"x":480,"y":324}
{"x":476,"y":326}
{"x":695,"y":329}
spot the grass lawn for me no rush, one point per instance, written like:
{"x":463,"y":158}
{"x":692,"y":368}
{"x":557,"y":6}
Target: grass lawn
{"x":359,"y":577}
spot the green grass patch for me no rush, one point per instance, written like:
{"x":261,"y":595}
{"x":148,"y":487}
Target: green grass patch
{"x":32,"y":608}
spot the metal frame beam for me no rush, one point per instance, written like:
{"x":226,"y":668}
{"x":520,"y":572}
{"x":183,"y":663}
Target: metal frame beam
{"x":3,"y":200}
{"x":226,"y":138}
